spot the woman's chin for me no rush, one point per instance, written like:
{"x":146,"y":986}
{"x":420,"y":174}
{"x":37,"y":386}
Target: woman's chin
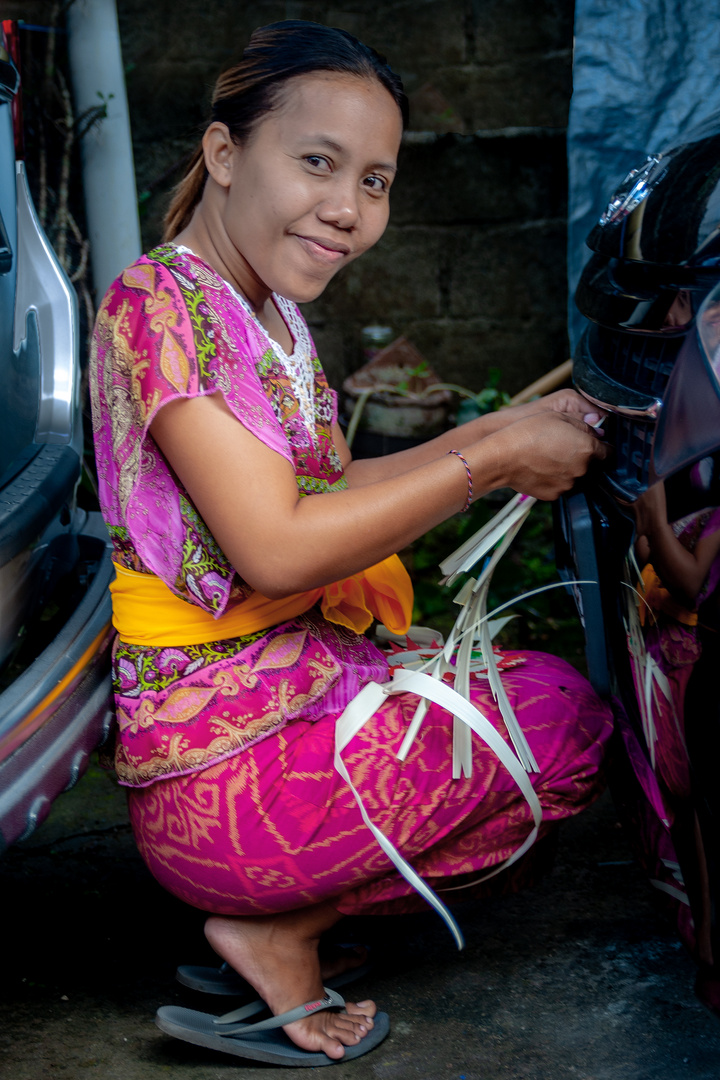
{"x":301,"y":293}
{"x":303,"y":283}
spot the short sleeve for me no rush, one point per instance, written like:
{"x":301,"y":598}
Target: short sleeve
{"x":159,"y":337}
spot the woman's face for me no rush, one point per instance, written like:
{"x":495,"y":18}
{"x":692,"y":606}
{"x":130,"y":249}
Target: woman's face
{"x":309,"y":191}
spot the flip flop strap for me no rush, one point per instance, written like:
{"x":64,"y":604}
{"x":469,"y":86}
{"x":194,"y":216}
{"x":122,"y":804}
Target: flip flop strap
{"x":332,"y":1000}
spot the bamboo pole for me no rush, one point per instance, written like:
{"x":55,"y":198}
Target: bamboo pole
{"x":545,"y":384}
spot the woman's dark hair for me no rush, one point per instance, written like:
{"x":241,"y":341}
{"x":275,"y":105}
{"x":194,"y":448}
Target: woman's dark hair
{"x":245,"y":93}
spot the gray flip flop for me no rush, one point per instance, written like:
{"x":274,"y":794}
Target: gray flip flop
{"x":263,"y":1041}
{"x":225,"y":981}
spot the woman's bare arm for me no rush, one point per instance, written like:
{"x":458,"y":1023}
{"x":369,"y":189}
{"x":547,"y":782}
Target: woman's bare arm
{"x":281,"y":543}
{"x":369,"y":470}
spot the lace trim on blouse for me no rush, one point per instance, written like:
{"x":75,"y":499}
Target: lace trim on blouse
{"x":298,"y":365}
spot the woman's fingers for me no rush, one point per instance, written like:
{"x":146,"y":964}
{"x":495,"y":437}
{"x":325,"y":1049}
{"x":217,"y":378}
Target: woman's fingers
{"x":546,"y":453}
{"x":567,"y":402}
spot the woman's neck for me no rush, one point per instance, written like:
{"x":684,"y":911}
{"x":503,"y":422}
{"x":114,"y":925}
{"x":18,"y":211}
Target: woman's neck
{"x":212,"y":245}
{"x":233,"y":268}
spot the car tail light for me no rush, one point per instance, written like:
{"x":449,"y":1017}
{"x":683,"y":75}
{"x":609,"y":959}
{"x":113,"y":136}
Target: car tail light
{"x":11,"y":44}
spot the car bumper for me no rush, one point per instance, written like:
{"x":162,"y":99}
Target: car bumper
{"x":57,"y":712}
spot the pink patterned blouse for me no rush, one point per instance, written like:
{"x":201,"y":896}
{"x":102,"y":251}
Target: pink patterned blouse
{"x":169,"y":327}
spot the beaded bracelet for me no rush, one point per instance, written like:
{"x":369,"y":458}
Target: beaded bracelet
{"x":468,"y":502}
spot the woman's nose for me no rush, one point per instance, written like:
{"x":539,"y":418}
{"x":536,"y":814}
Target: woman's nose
{"x":340,"y":207}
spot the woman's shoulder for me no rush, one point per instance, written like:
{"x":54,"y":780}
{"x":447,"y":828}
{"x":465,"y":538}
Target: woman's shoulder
{"x":162,"y":274}
{"x":145,"y":317}
{"x":166,"y":270}
{"x":174,"y":312}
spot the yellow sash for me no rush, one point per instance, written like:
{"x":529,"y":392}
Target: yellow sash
{"x":147,"y":612}
{"x":659,"y":599}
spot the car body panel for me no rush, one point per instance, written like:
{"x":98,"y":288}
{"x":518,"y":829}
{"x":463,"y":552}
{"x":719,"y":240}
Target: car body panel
{"x":56,"y":634}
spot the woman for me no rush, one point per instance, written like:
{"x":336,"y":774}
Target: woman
{"x":253,"y":552}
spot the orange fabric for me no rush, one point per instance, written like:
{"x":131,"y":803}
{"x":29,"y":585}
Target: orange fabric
{"x":383,"y":591}
{"x":659,"y":599}
{"x":147,"y":612}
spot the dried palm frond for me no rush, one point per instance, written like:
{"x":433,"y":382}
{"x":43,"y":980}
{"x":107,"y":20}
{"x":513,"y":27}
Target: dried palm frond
{"x":468,"y":651}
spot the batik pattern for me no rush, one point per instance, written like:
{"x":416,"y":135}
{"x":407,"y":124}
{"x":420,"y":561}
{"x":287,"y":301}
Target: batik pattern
{"x":228,"y":747}
{"x":671,"y":639}
{"x":276,"y":828}
{"x":169,"y":328}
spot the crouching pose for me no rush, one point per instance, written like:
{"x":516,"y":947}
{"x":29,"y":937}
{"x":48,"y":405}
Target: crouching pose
{"x":252,"y":553}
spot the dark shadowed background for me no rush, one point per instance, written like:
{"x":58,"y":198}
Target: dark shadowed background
{"x":472,"y":267}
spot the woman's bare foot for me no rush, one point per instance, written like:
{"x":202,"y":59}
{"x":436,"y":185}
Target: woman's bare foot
{"x":278,"y":955}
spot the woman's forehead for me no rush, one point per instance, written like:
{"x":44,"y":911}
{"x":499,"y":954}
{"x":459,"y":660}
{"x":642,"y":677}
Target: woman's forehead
{"x":340,"y":109}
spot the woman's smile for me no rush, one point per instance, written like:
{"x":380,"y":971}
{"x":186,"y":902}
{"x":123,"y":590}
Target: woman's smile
{"x":325,"y":251}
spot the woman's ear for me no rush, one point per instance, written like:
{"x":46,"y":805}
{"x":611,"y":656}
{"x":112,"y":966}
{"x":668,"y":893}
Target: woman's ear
{"x":218,"y":149}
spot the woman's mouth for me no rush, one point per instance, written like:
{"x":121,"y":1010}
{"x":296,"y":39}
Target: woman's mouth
{"x":327,"y":252}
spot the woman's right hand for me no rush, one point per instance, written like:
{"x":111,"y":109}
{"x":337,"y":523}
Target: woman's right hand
{"x":544,"y":454}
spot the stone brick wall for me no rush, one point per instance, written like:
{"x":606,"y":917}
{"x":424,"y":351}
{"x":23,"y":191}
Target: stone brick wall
{"x":472,"y":266}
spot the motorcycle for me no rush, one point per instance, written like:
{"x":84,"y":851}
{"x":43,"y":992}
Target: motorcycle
{"x":646,"y":528}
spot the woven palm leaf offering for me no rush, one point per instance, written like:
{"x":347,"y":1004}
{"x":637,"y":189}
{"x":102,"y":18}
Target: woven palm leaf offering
{"x":440,"y":672}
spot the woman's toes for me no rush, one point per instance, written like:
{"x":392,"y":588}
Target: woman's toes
{"x":330,"y":1032}
{"x":326,"y":1040}
{"x":362,"y":1008}
{"x":347,"y":1031}
{"x":333,"y":1048}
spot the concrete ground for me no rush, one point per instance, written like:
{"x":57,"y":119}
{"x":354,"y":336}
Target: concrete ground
{"x":574,"y":979}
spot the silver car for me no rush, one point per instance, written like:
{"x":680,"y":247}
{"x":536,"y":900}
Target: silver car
{"x":55,"y":566}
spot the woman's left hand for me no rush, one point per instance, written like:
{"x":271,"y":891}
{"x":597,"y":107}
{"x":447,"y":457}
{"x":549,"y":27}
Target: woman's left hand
{"x":564,"y":401}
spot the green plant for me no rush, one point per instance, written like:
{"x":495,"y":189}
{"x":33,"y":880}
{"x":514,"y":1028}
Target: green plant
{"x":412,"y":373}
{"x":548,"y":622}
{"x":486,"y":400}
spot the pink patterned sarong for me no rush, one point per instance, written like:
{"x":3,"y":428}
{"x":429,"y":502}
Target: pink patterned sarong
{"x":227,"y":747}
{"x":275,"y":827}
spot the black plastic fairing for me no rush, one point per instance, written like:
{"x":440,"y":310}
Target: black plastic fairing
{"x":689,"y":425}
{"x":676,"y":220}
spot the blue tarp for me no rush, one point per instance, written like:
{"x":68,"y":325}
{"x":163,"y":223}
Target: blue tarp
{"x":644,"y":71}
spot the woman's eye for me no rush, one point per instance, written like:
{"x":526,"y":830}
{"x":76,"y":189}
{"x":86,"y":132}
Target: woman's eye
{"x":375,"y":183}
{"x":317,"y":161}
